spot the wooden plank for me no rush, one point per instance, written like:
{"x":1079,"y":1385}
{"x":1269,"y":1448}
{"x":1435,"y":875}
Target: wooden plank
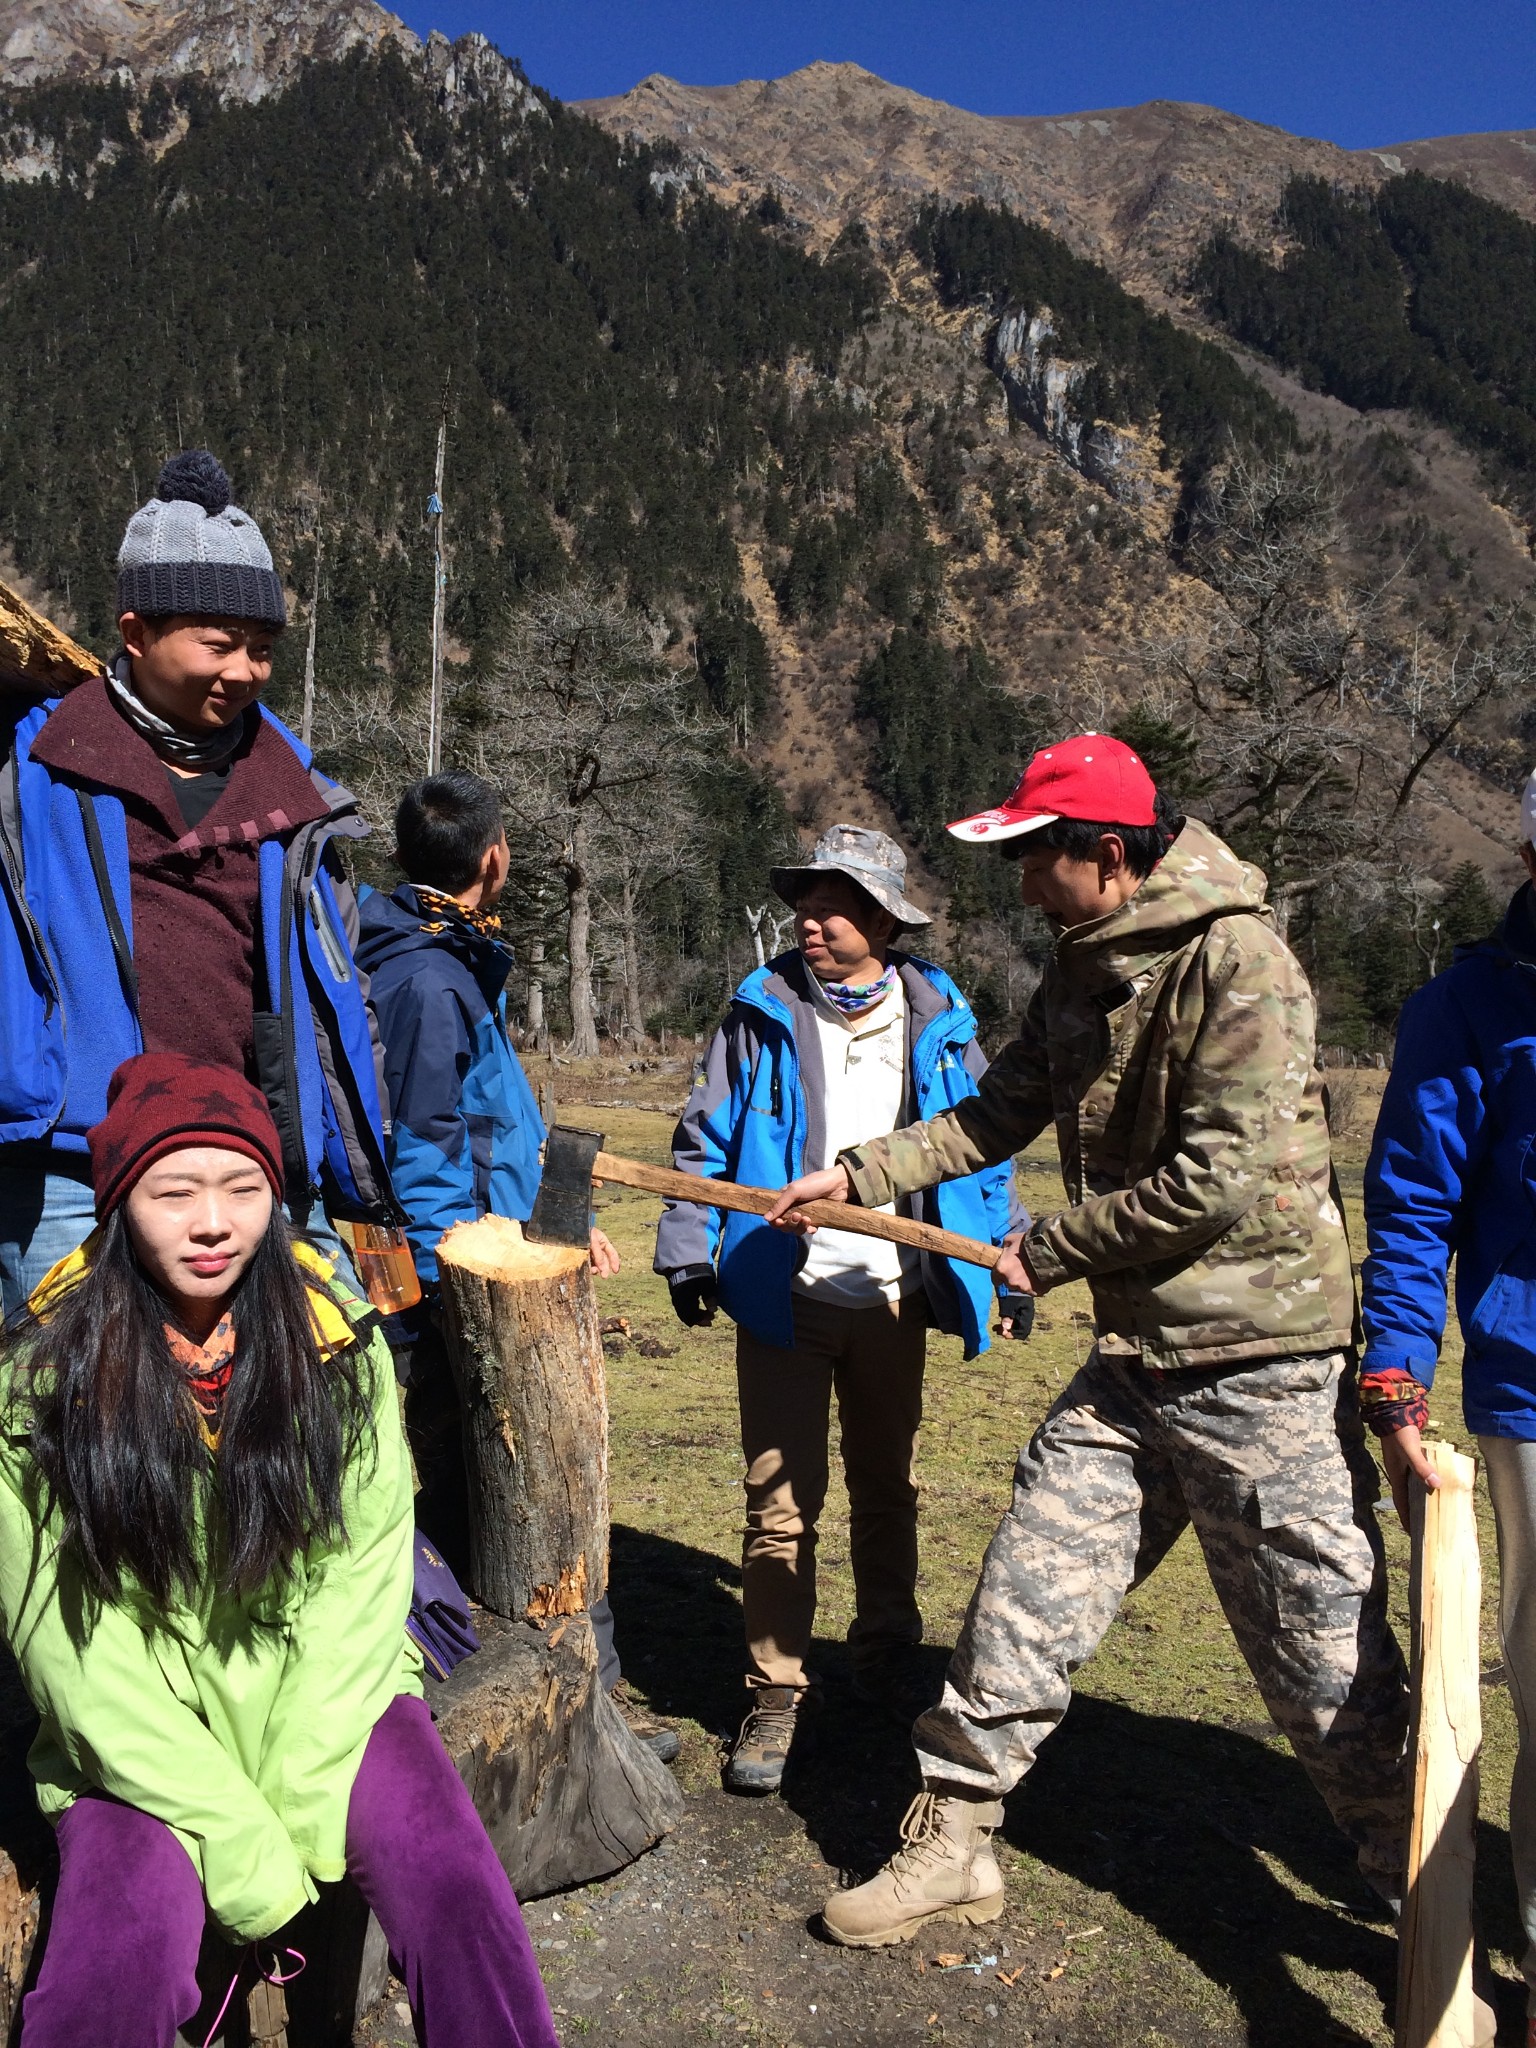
{"x":726,"y":1194}
{"x":1435,"y":2007}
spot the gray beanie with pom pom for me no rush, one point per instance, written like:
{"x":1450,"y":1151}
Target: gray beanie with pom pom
{"x":191,"y":553}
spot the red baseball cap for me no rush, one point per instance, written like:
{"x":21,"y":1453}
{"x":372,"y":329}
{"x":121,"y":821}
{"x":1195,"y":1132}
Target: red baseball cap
{"x":1093,"y":776}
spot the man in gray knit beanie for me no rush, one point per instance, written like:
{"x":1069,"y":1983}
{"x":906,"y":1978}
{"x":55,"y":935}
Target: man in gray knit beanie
{"x":190,"y":552}
{"x":181,"y":889}
{"x":198,"y":605}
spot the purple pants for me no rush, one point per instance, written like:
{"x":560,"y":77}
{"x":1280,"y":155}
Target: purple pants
{"x":120,"y":1966}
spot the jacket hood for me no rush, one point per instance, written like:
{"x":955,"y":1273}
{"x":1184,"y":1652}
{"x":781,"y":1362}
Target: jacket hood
{"x":339,"y":1316}
{"x":1516,"y":933}
{"x":392,"y":926}
{"x":1198,"y":879}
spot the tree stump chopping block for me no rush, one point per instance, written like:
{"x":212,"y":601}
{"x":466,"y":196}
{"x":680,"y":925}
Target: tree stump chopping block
{"x":522,"y":1329}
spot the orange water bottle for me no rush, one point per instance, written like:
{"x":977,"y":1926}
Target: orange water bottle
{"x":384,"y":1264}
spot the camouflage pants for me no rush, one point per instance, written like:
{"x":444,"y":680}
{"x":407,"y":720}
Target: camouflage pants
{"x":1270,"y":1466}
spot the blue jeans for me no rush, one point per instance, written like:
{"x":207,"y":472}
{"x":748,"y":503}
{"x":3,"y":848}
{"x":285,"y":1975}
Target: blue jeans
{"x":46,"y":1214}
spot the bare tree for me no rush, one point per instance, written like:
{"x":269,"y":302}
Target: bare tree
{"x":776,"y":921}
{"x":1274,"y":672}
{"x":632,"y":854}
{"x":591,"y":731}
{"x":1321,"y":705}
{"x":374,"y":738}
{"x":1437,"y":682}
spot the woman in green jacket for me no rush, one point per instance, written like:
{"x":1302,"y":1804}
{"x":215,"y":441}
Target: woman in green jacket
{"x":206,"y":1559}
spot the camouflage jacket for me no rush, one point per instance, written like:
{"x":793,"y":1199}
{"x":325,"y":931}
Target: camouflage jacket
{"x":1172,"y":1044}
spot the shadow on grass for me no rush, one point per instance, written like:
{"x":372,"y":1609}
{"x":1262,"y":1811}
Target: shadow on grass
{"x":1188,"y":1824}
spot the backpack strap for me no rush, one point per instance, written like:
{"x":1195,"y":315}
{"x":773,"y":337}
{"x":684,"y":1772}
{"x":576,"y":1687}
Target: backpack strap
{"x":122,"y":952}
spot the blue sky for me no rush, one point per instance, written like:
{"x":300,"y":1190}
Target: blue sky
{"x":1362,"y":73}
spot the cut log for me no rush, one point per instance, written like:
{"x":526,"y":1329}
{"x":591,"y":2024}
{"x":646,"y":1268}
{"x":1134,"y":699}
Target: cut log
{"x":566,"y":1792}
{"x":36,"y":655}
{"x":1434,"y":1980}
{"x":522,"y":1328}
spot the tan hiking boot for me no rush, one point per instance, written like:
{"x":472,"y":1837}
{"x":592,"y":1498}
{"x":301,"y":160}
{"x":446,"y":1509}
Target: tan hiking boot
{"x":760,"y":1752}
{"x":945,"y":1870}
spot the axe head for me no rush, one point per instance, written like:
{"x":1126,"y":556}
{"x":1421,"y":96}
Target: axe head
{"x":562,"y":1209}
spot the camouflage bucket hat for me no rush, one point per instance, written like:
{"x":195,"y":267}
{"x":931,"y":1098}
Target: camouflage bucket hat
{"x":872,"y":859}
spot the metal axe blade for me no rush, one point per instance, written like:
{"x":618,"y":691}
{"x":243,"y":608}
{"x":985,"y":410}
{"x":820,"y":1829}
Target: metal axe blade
{"x":562,"y":1209}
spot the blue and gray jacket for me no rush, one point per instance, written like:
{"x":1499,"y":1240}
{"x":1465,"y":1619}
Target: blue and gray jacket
{"x":68,"y":987}
{"x":1453,"y":1170}
{"x":756,"y":1114}
{"x":467,"y":1129}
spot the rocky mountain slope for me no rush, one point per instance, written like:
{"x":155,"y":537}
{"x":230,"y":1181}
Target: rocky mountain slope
{"x":910,"y":493}
{"x":248,"y":50}
{"x":1136,"y":188}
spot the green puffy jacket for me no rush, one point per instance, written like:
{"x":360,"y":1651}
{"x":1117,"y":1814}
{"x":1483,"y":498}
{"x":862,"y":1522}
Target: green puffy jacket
{"x":1171,"y":1043}
{"x":240,"y":1723}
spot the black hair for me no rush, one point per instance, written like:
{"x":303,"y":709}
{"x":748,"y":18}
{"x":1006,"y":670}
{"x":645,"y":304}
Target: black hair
{"x":116,"y":1435}
{"x":443,"y":828}
{"x":1144,"y":845}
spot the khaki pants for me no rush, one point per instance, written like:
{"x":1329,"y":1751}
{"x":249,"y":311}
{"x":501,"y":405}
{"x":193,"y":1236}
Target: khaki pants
{"x":873,"y":1359}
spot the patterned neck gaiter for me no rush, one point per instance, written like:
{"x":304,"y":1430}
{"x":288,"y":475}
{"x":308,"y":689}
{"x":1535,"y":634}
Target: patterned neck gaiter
{"x":486,"y":922}
{"x":852,"y":999}
{"x":207,"y":1367}
{"x":202,"y":751}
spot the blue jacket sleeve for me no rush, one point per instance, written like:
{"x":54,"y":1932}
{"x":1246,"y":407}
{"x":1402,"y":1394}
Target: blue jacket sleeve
{"x":1006,"y":1212}
{"x":427,"y":1052}
{"x":705,"y":1142}
{"x":1429,"y":1138}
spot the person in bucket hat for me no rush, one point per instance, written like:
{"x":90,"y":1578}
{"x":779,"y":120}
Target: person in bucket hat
{"x":1171,"y":1045}
{"x":871,"y":860}
{"x":830,"y":1042}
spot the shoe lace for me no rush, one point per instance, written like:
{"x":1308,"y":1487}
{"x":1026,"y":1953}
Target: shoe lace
{"x":921,"y":1835}
{"x":764,"y":1724}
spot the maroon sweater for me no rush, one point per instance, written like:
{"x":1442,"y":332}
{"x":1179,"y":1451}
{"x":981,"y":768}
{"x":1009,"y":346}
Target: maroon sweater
{"x":194,"y":894}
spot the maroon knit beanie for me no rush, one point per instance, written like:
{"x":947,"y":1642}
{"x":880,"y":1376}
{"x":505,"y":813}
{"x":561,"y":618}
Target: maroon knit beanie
{"x":160,"y":1102}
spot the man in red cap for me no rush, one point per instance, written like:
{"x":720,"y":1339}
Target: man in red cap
{"x":1171,"y":1043}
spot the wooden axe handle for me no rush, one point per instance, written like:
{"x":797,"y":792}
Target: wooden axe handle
{"x":727,"y":1194}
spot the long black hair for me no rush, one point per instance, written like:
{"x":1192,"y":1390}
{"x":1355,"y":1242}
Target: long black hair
{"x":116,"y":1437}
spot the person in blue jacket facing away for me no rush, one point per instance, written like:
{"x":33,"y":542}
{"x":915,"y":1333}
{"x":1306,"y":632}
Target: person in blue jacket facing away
{"x":1453,"y":1171}
{"x":840,"y":1039}
{"x":467,"y":1131}
{"x":170,"y":882}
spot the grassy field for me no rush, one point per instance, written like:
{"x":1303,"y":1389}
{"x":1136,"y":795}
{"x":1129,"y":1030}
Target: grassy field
{"x":1172,"y":1877}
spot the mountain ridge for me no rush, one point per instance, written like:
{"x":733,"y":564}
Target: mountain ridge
{"x":1138,"y":188}
{"x":251,"y":49}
